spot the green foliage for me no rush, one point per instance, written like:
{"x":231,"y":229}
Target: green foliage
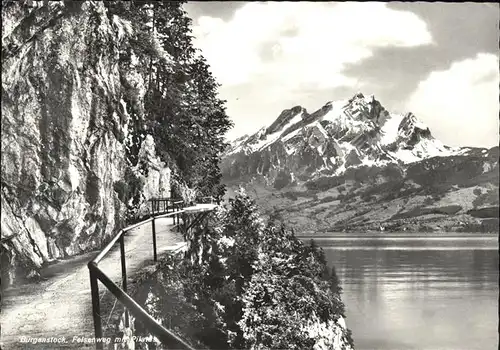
{"x":488,"y":198}
{"x":489,"y":225}
{"x":420,"y":211}
{"x":182,"y":110}
{"x":253,"y":284}
{"x":324,"y":183}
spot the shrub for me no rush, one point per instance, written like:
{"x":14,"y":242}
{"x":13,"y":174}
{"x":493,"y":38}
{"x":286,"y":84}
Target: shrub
{"x":490,"y":197}
{"x":324,"y":183}
{"x":477,"y":191}
{"x":248,"y":284}
{"x":328,"y":199}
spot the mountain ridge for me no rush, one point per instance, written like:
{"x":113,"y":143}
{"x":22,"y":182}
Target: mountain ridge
{"x":358,"y":142}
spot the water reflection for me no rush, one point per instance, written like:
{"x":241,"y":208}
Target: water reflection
{"x":400,"y":295}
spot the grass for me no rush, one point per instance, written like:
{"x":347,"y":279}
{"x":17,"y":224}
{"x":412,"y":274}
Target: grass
{"x":421,"y":211}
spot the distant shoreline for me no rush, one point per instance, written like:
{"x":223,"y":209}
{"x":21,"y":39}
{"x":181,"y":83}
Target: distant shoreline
{"x":405,"y":241}
{"x":412,"y":235}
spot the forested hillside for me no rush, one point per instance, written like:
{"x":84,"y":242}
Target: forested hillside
{"x":181,"y":108}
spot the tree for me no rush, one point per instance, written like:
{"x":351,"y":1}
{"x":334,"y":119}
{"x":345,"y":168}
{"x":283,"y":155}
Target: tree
{"x":182,"y":110}
{"x":255,"y":286}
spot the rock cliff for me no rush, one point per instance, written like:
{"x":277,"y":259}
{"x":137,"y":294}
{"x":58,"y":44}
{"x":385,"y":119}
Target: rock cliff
{"x":72,"y":100}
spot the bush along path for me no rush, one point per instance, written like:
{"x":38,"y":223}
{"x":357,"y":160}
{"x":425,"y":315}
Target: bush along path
{"x":245,"y":284}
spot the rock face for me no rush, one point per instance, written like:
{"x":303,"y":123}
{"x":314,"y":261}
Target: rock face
{"x":352,"y":165}
{"x":72,"y":87}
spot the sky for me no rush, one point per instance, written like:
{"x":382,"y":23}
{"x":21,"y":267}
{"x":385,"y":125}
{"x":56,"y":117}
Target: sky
{"x":439,"y":61}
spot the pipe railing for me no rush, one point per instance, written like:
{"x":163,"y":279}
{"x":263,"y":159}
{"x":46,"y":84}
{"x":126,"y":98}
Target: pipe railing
{"x":166,"y":203}
{"x":207,"y":200}
{"x":166,"y":336}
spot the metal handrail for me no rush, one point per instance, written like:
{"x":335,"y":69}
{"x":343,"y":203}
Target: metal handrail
{"x":211,"y":198}
{"x":166,"y":336}
{"x":158,"y":201}
{"x":108,"y":247}
{"x":165,"y":199}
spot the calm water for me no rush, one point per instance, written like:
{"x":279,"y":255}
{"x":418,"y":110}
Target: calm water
{"x":427,"y":292}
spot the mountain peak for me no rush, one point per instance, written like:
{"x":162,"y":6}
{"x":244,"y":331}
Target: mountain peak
{"x":338,"y":136}
{"x":285,"y":118}
{"x":367,"y":108}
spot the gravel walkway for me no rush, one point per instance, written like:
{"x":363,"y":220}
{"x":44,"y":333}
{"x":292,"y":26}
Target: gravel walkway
{"x":60,"y":305}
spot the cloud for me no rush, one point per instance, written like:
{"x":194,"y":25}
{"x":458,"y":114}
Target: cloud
{"x":460,"y":105}
{"x":297,"y":44}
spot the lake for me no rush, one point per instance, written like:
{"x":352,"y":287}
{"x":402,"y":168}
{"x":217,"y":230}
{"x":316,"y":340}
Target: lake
{"x":418,"y":291}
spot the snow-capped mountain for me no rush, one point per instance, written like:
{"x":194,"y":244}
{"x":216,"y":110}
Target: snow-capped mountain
{"x":353,"y":165}
{"x":342,"y":134}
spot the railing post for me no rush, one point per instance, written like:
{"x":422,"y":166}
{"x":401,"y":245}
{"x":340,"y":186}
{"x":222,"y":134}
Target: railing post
{"x":96,"y":310}
{"x":124,"y":273}
{"x":179,"y":217}
{"x":174,"y":206}
{"x":154,"y":239}
{"x":183,"y":218}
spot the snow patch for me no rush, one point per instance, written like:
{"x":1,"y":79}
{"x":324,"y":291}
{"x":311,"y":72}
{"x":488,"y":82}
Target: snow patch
{"x":289,"y":151}
{"x":340,"y":170}
{"x":336,"y":111}
{"x":406,"y":156}
{"x":487,"y":167}
{"x":290,"y":135}
{"x":320,"y":128}
{"x":372,"y":162}
{"x":425,"y":149}
{"x":267,"y":141}
{"x":418,"y":124}
{"x":390,"y":129}
{"x":294,"y":120}
{"x":271,"y":138}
